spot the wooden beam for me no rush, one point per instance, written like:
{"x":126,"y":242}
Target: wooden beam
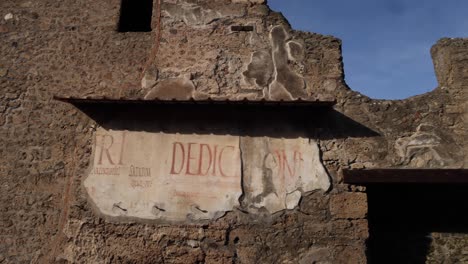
{"x":192,"y":101}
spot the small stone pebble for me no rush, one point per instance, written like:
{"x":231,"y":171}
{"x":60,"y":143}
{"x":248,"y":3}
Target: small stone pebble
{"x":8,"y":16}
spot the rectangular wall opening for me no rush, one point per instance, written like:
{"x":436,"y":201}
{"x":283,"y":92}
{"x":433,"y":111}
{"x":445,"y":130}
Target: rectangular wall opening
{"x":135,"y":16}
{"x":417,"y":223}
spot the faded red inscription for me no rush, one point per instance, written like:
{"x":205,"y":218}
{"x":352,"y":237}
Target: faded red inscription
{"x":289,"y":162}
{"x":104,"y":143}
{"x":157,"y":175}
{"x":199,"y":159}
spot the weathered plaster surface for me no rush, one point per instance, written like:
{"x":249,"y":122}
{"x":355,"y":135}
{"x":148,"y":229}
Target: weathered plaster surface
{"x":427,"y":148}
{"x":185,"y":178}
{"x":277,"y":171}
{"x":287,"y":84}
{"x":163,"y":176}
{"x":176,"y":88}
{"x":195,"y":15}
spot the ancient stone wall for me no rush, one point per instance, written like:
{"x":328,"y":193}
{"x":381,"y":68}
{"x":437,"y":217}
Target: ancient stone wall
{"x":200,"y":49}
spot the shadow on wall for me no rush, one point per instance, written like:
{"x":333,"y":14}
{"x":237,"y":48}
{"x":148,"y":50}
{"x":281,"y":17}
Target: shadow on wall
{"x":402,"y":218}
{"x":289,"y":121}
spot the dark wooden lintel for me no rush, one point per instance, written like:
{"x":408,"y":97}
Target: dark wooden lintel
{"x":192,"y":101}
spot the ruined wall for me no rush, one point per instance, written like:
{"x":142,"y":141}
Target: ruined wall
{"x":72,"y":48}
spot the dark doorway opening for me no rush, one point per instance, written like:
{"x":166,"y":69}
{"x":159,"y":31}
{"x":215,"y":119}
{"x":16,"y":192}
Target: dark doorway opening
{"x":403,"y":217}
{"x":135,"y":16}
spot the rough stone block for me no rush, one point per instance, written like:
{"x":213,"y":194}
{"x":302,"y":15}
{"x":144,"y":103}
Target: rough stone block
{"x":248,"y":254}
{"x":350,"y":255}
{"x":352,"y":229}
{"x":349,"y":205}
{"x":316,"y":255}
{"x":449,"y":56}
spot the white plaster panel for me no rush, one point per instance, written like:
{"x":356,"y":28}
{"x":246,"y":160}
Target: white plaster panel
{"x":170,"y":177}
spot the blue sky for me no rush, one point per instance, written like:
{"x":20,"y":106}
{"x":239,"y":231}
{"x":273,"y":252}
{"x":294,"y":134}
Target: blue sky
{"x":386,"y":43}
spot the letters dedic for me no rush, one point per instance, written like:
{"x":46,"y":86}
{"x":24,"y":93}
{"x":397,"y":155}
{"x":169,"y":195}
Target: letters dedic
{"x":185,"y":159}
{"x":198,"y":159}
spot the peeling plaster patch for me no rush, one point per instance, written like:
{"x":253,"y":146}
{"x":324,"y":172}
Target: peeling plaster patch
{"x":278,"y":92}
{"x":254,"y":38}
{"x":285,"y":78}
{"x":197,"y":16}
{"x":260,"y":70}
{"x":271,"y":68}
{"x":167,"y":177}
{"x":295,"y":51}
{"x":191,"y":14}
{"x":150,"y":79}
{"x":427,"y":148}
{"x":278,"y":171}
{"x":292,"y":199}
{"x":174,"y":88}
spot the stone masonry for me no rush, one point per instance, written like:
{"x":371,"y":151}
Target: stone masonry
{"x":51,"y":205}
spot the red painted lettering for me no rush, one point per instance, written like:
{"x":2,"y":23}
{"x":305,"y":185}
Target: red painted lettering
{"x":105,"y":149}
{"x":174,"y":148}
{"x":200,"y":161}
{"x":221,"y":160}
{"x":122,"y":148}
{"x":284,"y":164}
{"x":189,"y":158}
{"x":215,"y":152}
{"x":279,"y":158}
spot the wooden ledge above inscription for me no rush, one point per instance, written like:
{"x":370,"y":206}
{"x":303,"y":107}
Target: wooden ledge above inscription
{"x":213,"y":101}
